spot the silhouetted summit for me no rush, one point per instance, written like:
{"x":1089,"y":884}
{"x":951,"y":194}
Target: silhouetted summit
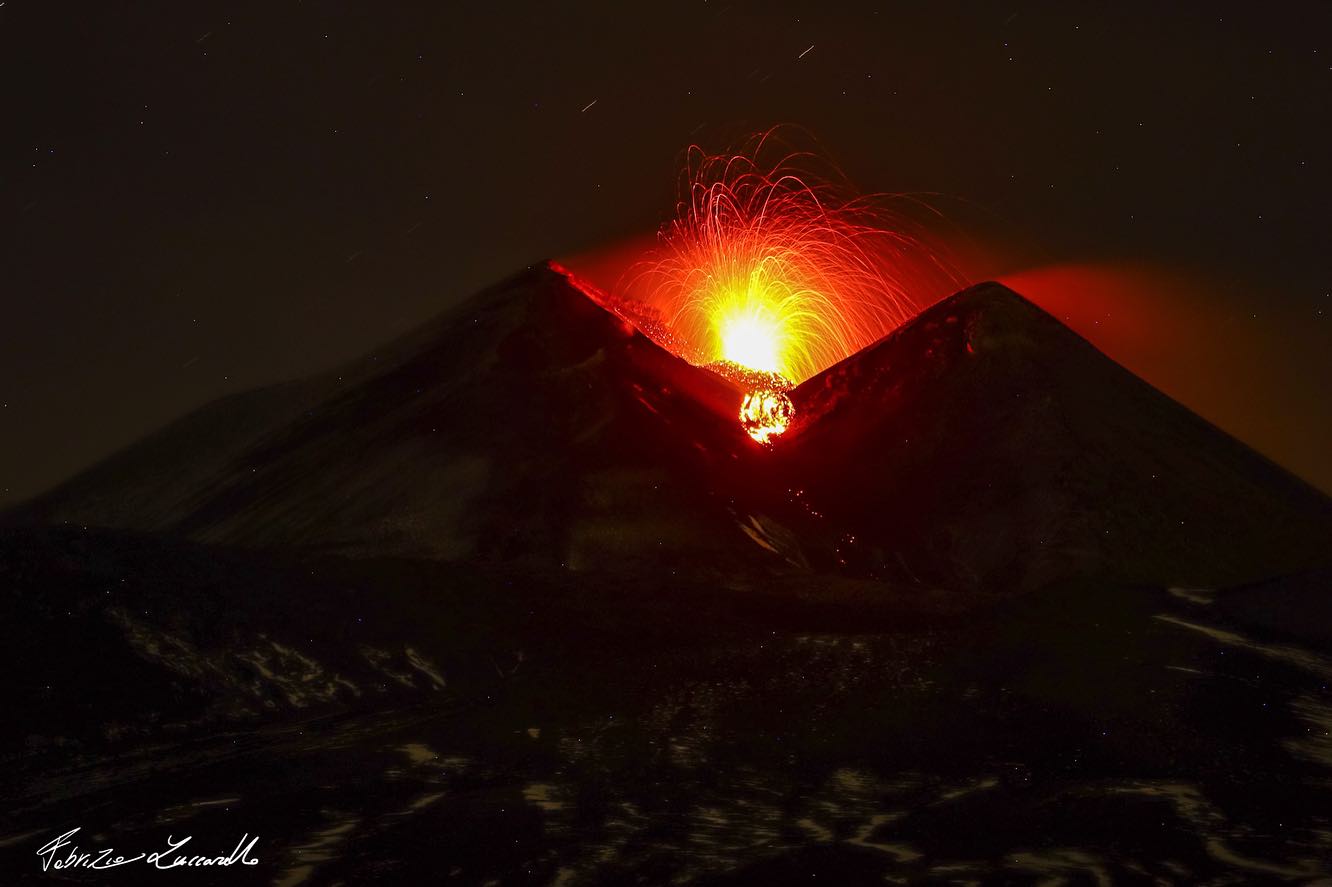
{"x":983,"y":445}
{"x":987,"y":442}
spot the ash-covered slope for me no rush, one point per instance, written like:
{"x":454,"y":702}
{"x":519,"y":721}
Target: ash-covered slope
{"x":985,"y":443}
{"x":529,"y":423}
{"x":982,"y":446}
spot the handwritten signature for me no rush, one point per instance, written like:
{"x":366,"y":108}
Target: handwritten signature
{"x":55,"y":858}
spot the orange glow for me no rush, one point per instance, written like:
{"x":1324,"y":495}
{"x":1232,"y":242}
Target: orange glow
{"x":772,"y":271}
{"x":774,"y":268}
{"x":752,"y":337}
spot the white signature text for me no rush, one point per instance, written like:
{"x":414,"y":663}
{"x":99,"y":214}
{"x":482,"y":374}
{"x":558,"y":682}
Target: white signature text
{"x":62,"y":853}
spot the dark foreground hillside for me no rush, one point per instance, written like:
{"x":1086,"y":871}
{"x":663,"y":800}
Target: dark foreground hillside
{"x":515,"y":600}
{"x":409,"y":721}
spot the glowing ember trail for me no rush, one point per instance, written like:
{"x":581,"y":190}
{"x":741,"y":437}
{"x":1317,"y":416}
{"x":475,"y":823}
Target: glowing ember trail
{"x":776,"y":272}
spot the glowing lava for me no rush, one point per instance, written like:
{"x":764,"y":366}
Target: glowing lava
{"x":766,"y":413}
{"x":752,"y":337}
{"x":773,"y":265}
{"x":775,"y":269}
{"x":767,"y":409}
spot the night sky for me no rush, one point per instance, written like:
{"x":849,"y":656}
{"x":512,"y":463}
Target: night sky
{"x":203,"y":197}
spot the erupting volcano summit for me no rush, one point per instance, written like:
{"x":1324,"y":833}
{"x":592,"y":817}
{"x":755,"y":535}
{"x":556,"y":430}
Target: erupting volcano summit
{"x":770,"y":265}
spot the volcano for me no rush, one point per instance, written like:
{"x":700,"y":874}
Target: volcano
{"x":517,"y":599}
{"x":982,"y":445}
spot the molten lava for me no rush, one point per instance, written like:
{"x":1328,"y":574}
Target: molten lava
{"x":767,"y":409}
{"x":751,"y":338}
{"x":774,"y":265}
{"x":773,"y":268}
{"x":766,"y":413}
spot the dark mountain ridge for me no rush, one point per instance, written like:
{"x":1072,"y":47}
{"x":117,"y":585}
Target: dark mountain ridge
{"x":987,"y":441}
{"x":983,"y":445}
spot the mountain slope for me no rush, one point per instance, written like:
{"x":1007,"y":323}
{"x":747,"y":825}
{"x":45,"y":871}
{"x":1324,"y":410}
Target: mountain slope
{"x":527,"y":423}
{"x":981,"y":446}
{"x":987,"y":443}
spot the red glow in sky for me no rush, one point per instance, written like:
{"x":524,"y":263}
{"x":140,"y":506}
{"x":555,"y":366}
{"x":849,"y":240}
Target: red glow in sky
{"x":832,"y":276}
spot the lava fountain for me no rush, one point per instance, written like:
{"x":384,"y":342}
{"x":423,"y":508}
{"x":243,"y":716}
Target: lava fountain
{"x":772,"y":270}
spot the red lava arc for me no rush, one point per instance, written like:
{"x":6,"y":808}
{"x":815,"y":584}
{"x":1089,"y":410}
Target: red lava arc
{"x":772,"y":271}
